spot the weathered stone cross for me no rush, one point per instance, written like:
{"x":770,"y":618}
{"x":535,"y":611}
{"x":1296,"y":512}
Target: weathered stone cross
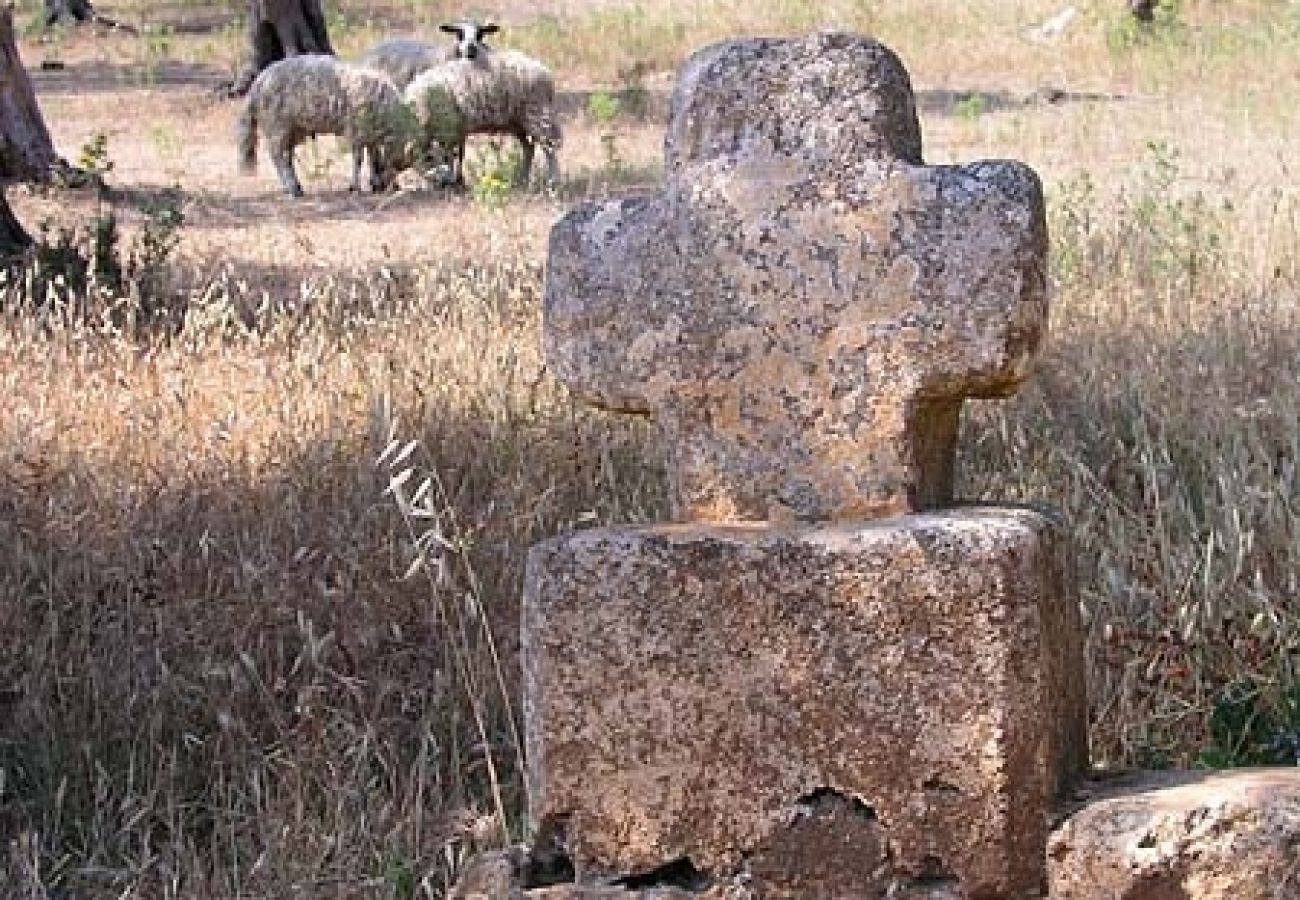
{"x":805,"y":304}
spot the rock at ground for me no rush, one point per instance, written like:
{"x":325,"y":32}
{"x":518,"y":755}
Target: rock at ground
{"x":1231,"y":835}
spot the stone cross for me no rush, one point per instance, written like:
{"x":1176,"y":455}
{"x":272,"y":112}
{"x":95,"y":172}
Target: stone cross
{"x":819,"y":702}
{"x":805,"y":304}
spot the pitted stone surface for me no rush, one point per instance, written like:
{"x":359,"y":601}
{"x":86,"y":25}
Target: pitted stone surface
{"x":686,"y":686}
{"x":1186,"y":835}
{"x":804,"y":305}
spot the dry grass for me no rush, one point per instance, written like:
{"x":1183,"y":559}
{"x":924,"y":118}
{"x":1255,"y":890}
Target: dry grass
{"x":215,"y":680}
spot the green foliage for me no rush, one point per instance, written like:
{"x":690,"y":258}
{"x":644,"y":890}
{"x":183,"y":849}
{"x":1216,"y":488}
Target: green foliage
{"x":155,"y":48}
{"x":74,"y":262}
{"x":338,"y":24}
{"x":603,"y":108}
{"x":1253,"y":724}
{"x":1071,"y":219}
{"x":633,"y":97}
{"x":171,"y":149}
{"x":1125,"y":33}
{"x":1176,"y":235}
{"x":397,"y":131}
{"x":93,"y":156}
{"x":84,"y":271}
{"x":1162,"y":235}
{"x":158,"y":240}
{"x":493,"y":174}
{"x":971,"y":107}
{"x":35,"y":27}
{"x":401,"y":879}
{"x":443,"y":125}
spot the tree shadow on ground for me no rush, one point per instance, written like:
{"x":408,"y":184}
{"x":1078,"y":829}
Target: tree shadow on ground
{"x":212,"y":208}
{"x":96,"y":76}
{"x":216,"y":659}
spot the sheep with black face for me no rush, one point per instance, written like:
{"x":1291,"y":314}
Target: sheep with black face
{"x":485,"y":90}
{"x":402,"y":59}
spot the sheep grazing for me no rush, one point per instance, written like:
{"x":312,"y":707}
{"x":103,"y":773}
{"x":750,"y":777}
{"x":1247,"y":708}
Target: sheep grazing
{"x":304,"y":96}
{"x":401,"y":59}
{"x":494,"y":92}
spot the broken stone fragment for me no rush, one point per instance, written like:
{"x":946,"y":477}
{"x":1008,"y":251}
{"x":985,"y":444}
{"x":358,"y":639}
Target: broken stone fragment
{"x":1231,"y":835}
{"x":830,"y":832}
{"x":496,"y":875}
{"x":690,"y":690}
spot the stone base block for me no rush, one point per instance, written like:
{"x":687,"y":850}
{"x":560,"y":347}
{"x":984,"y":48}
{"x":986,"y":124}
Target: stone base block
{"x":508,"y":875}
{"x":695,"y":696}
{"x":1187,"y":835}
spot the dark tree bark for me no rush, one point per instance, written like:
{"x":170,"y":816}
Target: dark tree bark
{"x":78,"y":11}
{"x":1143,"y":10}
{"x":14,"y":239}
{"x":278,"y":29}
{"x":26,"y":151}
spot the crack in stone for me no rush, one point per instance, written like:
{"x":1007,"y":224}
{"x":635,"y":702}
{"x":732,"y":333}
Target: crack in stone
{"x":939,"y":786}
{"x":826,"y":799}
{"x":679,"y":873}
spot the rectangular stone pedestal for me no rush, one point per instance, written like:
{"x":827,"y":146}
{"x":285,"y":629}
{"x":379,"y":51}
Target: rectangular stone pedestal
{"x":698,"y":699}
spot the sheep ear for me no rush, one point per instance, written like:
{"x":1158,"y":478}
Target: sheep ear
{"x":450,"y":29}
{"x":489,"y":29}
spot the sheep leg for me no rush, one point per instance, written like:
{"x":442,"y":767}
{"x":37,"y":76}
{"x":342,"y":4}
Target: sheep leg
{"x":552,"y":166}
{"x":382,"y":168}
{"x":358,"y":151}
{"x":527,"y":148}
{"x":458,"y":169}
{"x":282,"y":156}
{"x":377,"y":171}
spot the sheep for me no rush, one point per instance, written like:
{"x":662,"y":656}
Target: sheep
{"x":469,"y":37}
{"x":496,"y":92}
{"x":401,"y":59}
{"x":303,"y":96}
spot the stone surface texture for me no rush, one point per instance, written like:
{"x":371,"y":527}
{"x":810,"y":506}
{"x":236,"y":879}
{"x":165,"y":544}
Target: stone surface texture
{"x":844,"y":874}
{"x":689,"y":690}
{"x":805,"y":304}
{"x":498,"y":875}
{"x":1182,"y":836}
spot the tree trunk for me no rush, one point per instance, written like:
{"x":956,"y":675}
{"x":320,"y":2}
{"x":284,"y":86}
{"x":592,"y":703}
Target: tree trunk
{"x":278,"y":29}
{"x":26,"y":151}
{"x":1143,"y":10}
{"x":14,"y":239}
{"x":79,"y":11}
{"x":76,"y":10}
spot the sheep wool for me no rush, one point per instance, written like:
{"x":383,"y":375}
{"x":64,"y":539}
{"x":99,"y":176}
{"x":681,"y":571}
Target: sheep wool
{"x":499,"y":92}
{"x":303,"y":96}
{"x":402,"y":59}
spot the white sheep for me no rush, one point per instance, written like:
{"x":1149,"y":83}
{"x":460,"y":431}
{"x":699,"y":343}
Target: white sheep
{"x":401,"y":59}
{"x":496,"y":92}
{"x":303,"y":96}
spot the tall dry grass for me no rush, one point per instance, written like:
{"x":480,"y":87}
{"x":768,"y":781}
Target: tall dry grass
{"x":246,"y":654}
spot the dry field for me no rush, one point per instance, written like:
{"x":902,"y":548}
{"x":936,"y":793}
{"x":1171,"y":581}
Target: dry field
{"x":233,"y":663}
